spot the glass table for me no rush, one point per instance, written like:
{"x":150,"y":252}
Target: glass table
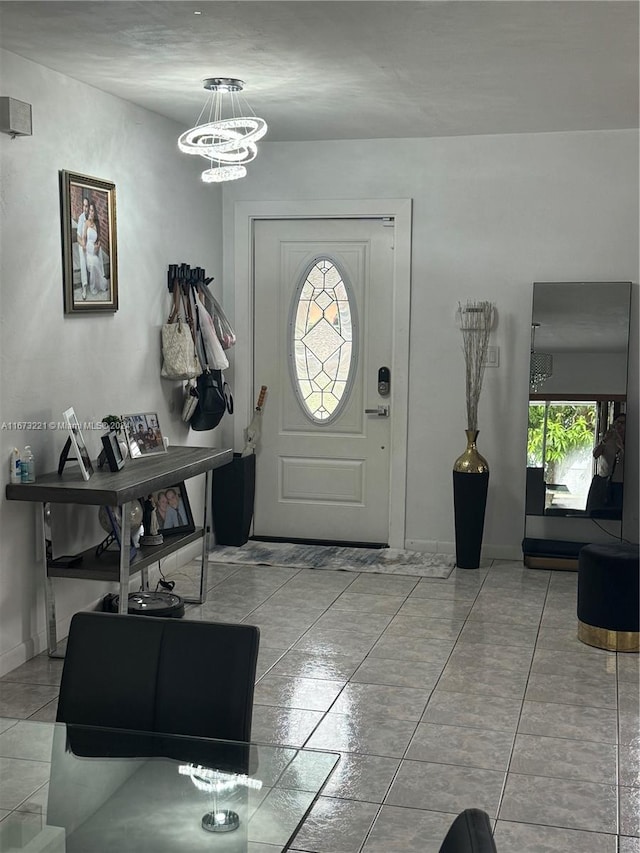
{"x":132,"y":792}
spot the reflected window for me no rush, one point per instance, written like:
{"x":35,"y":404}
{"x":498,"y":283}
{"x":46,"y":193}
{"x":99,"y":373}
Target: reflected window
{"x":322,"y":342}
{"x":561,"y":437}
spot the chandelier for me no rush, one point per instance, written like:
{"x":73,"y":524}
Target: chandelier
{"x":227,"y":138}
{"x":540,"y":365}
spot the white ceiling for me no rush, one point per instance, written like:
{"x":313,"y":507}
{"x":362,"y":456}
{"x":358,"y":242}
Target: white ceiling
{"x":350,"y":70}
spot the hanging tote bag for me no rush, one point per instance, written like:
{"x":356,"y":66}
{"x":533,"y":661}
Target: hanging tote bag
{"x":209,"y":347}
{"x":223,"y":329}
{"x":213,"y":393}
{"x":179,"y":356}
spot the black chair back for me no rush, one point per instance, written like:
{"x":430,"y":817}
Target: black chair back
{"x":159,"y":675}
{"x":469,"y":833}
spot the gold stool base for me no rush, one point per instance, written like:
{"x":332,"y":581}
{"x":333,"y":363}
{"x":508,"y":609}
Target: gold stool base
{"x":613,"y":641}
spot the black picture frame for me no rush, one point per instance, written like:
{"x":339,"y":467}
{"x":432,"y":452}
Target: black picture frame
{"x":89,"y":263}
{"x":178,"y":518}
{"x":112,"y":452}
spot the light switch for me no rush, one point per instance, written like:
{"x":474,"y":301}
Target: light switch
{"x":493,"y":357}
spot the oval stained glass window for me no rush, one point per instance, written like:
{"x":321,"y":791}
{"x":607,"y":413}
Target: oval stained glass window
{"x":322,"y":342}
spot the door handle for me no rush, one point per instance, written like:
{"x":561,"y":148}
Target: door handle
{"x":380,"y":411}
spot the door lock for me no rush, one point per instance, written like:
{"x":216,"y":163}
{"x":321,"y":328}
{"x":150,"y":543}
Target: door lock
{"x":380,"y":411}
{"x":384,"y":381}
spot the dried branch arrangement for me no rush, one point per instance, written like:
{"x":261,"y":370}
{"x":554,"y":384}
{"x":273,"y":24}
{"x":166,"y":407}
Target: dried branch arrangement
{"x":475,"y":320}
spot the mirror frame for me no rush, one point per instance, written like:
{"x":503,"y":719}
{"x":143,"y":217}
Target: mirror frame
{"x":552,"y":540}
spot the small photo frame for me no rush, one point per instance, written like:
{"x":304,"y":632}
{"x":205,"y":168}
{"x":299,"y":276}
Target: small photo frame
{"x":111,"y":450}
{"x":143,"y":434}
{"x":89,"y":250}
{"x":76,"y":441}
{"x":172,"y":510}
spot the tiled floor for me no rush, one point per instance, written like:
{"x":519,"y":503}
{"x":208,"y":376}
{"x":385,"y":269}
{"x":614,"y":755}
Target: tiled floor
{"x":439,"y":694}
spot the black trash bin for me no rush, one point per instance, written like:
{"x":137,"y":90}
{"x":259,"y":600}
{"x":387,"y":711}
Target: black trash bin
{"x":232,"y":499}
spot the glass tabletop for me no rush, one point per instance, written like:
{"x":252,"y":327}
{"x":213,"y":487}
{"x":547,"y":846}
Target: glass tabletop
{"x":113,"y":790}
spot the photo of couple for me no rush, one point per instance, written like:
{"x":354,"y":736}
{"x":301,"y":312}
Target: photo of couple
{"x":91,"y":247}
{"x":89,"y":244}
{"x":171,"y":510}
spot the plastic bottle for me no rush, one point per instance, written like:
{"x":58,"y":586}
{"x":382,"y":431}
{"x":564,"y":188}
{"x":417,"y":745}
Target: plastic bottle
{"x":15,"y":468}
{"x":27,"y":466}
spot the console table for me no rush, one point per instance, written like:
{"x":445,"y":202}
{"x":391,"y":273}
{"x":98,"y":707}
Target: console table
{"x":138,"y":478}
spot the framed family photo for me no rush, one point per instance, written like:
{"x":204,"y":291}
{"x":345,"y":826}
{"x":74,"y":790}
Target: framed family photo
{"x":172,"y":510}
{"x":89,"y":246}
{"x":143,"y":434}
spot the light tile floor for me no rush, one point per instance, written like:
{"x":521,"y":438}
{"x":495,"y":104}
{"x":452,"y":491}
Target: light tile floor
{"x":439,"y":695}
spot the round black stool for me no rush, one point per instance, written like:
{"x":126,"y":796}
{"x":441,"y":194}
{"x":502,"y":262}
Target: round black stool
{"x":609,"y":597}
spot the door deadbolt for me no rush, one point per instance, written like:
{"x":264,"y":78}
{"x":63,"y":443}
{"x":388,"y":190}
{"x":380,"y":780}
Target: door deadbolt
{"x":384,"y":381}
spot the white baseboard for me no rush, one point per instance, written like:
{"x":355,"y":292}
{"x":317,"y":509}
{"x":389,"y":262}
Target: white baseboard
{"x":37,"y":644}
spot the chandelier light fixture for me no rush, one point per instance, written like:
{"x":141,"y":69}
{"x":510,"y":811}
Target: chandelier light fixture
{"x":541,"y":364}
{"x":227,"y":138}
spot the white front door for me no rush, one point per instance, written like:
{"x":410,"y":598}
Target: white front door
{"x":323,"y":319}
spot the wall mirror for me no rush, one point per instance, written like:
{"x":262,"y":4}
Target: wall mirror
{"x":577,"y":399}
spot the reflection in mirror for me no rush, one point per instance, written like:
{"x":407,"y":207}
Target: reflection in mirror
{"x":577,"y":405}
{"x":571,"y":466}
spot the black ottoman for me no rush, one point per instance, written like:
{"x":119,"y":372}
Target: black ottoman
{"x":609,"y":597}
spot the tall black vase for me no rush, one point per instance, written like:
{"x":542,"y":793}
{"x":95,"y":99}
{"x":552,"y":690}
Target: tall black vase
{"x":470,"y":486}
{"x":232,"y":499}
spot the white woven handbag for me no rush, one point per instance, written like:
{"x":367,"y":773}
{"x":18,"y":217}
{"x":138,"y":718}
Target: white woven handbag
{"x":180,"y":358}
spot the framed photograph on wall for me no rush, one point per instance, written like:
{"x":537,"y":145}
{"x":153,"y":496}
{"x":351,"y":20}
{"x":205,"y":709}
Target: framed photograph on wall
{"x":143,"y":434}
{"x":76,"y":443}
{"x":172,"y":510}
{"x":89,"y":245}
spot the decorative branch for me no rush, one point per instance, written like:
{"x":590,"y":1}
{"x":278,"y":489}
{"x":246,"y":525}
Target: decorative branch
{"x":475,"y":320}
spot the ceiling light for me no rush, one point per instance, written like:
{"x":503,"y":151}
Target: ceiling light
{"x":227,"y":138}
{"x":541,"y":364}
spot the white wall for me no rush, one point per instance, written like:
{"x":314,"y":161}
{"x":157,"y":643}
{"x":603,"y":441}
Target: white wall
{"x":98,"y":364}
{"x":491,"y":215}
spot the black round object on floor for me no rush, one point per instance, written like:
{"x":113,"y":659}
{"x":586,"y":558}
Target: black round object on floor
{"x":609,"y":596}
{"x":148,"y":604}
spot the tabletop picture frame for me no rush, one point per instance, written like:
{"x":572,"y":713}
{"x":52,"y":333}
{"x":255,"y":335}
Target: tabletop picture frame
{"x":111,"y":452}
{"x":89,"y":244}
{"x":173,"y":510}
{"x":77,"y":443}
{"x":144,"y":436}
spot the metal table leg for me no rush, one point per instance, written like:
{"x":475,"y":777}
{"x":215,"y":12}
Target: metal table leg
{"x":49,"y":595}
{"x":204,"y":566}
{"x":125,"y":548}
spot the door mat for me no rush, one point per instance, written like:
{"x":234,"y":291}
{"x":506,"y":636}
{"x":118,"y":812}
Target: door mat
{"x":388,"y":561}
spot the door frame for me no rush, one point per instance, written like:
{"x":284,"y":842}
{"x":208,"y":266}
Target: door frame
{"x":245,"y":215}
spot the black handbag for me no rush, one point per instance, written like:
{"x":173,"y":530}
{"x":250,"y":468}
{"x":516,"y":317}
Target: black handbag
{"x":214,"y":394}
{"x":214,"y":399}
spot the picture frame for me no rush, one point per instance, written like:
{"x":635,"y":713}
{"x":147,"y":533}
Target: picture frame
{"x":76,"y":442}
{"x":144,"y":436}
{"x":172,"y":509}
{"x":112,"y":453}
{"x":89,"y":244}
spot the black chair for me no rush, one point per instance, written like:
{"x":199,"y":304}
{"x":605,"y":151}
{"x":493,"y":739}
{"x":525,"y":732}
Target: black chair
{"x":159,"y":675}
{"x":469,"y":833}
